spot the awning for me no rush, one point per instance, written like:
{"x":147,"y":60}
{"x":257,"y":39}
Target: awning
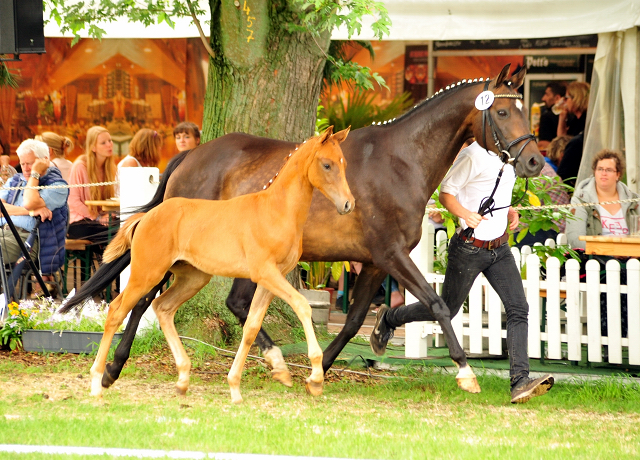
{"x":450,"y":20}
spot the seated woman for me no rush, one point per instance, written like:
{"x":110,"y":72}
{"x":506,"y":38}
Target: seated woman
{"x":609,"y":219}
{"x":144,"y":150}
{"x":603,"y":219}
{"x":187,"y":136}
{"x":96,"y":165}
{"x":58,"y":147}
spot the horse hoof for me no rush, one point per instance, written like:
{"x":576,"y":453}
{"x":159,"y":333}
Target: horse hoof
{"x":283,"y":376}
{"x":469,"y":384}
{"x":313,"y":388}
{"x":107,"y":380}
{"x":181,"y":391}
{"x":236,"y":397}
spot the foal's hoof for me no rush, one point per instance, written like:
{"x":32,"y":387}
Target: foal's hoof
{"x":469,"y":384}
{"x":313,"y":388}
{"x":236,"y":397}
{"x":181,"y":391}
{"x":283,"y":376}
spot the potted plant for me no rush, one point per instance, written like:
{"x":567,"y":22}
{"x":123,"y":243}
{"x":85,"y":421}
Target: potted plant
{"x":319,"y":298}
{"x":36,"y":325}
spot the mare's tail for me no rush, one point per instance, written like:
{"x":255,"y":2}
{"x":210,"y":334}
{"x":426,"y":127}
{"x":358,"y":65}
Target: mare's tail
{"x":122,"y":241}
{"x":107,"y":272}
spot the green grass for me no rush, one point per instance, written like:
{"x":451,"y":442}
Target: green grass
{"x":417,"y":414}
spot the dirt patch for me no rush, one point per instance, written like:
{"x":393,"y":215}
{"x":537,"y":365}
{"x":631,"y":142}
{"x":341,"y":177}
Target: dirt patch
{"x":57,"y":377}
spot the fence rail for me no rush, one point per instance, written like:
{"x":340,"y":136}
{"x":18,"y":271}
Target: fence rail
{"x":564,"y":312}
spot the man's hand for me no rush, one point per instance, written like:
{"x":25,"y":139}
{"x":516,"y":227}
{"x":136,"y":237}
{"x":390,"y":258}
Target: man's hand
{"x":40,"y":166}
{"x":43,"y":213}
{"x":514,"y":218}
{"x":474,"y":219}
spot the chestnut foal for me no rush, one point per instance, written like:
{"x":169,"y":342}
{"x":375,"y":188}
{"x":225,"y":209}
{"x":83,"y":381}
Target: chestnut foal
{"x":256,"y":236}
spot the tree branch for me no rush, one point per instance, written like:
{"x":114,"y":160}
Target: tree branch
{"x":202,"y":36}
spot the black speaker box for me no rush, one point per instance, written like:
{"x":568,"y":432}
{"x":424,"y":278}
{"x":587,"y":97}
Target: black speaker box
{"x":21,"y":26}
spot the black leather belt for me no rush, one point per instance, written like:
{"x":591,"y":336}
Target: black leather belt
{"x":490,"y":245}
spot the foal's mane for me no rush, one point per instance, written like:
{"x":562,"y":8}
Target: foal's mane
{"x":286,"y":161}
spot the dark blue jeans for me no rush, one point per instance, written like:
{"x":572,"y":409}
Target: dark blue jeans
{"x":465,"y":262}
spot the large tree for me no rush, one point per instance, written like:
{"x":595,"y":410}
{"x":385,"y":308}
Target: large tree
{"x":267,"y":56}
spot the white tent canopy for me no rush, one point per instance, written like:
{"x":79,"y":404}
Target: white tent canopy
{"x":450,"y":20}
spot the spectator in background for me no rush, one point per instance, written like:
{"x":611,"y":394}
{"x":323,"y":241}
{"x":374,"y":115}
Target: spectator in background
{"x":572,"y":119}
{"x":187,"y":136}
{"x":607,"y":219}
{"x":58,"y":146}
{"x":144,"y":150}
{"x":571,"y":158}
{"x":555,"y":152}
{"x":603,"y":219}
{"x":25,"y":206}
{"x":96,"y":165}
{"x":552,"y":98}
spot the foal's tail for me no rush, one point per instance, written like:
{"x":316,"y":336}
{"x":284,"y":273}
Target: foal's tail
{"x":122,"y":241}
{"x":107,"y":272}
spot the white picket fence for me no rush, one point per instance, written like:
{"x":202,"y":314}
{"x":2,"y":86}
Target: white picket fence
{"x":572,"y":309}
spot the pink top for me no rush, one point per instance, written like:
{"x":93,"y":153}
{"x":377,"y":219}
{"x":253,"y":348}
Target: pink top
{"x":78,"y":195}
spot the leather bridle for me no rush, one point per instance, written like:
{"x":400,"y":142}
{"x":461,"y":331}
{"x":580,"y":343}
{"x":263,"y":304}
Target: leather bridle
{"x":487,"y":205}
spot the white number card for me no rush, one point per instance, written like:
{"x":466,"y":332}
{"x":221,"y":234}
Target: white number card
{"x":484,"y":100}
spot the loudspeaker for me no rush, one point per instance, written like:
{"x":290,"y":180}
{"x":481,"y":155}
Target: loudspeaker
{"x":21,"y":26}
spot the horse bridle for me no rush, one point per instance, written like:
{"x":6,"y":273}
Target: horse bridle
{"x":505,"y":153}
{"x":487,"y":205}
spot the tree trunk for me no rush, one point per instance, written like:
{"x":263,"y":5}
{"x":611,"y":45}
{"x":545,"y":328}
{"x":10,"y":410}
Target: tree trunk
{"x":263,"y":80}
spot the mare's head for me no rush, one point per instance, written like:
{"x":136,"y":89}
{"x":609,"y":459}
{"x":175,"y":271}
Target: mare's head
{"x":327,"y":169}
{"x":502,"y":120}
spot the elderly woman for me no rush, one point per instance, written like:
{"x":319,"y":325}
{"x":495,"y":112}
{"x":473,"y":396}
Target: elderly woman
{"x":606,"y":219}
{"x":572,"y":119}
{"x":96,"y":165}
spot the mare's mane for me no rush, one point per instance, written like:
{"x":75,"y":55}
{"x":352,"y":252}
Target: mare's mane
{"x":451,"y":89}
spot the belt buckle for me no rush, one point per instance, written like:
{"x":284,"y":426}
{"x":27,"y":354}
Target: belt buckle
{"x":490,"y":245}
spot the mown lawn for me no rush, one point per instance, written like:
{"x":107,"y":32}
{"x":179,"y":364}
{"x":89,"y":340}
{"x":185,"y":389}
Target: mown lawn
{"x":416,"y":414}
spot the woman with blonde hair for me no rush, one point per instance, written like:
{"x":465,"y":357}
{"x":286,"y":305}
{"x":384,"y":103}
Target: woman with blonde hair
{"x":58,"y":147}
{"x":144,"y":150}
{"x":95,"y":165}
{"x":572,"y":119}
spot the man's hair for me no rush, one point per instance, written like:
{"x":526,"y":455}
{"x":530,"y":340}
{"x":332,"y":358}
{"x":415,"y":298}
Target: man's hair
{"x":558,"y":88}
{"x":188,"y":128}
{"x":38,"y":148}
{"x":606,"y":154}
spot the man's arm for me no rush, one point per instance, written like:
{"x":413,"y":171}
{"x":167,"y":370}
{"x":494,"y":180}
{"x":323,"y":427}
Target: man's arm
{"x":452,"y":204}
{"x":32,"y":199}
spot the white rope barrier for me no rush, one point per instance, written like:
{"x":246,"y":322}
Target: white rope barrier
{"x":432,"y":208}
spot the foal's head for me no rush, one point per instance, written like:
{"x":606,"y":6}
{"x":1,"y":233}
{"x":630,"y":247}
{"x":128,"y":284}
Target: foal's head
{"x":327,"y":169}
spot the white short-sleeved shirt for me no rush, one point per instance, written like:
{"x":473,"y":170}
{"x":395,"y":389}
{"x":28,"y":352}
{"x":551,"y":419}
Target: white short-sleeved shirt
{"x":472,"y":178}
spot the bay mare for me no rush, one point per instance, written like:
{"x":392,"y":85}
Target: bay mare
{"x":394,"y":168}
{"x":256,"y":236}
